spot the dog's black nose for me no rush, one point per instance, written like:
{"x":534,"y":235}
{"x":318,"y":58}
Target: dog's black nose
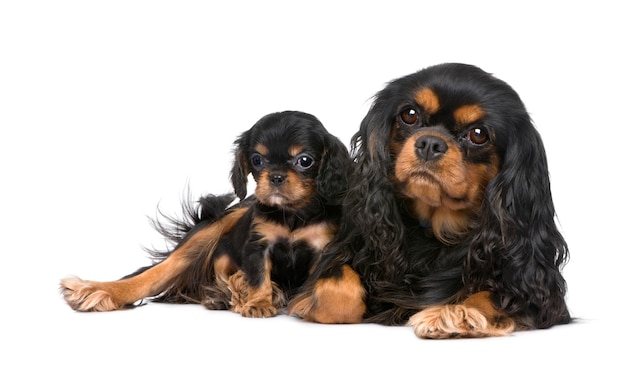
{"x":277,"y":179}
{"x":430,"y":147}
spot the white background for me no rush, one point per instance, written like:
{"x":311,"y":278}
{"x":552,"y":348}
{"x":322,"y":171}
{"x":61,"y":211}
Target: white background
{"x":108,"y":109}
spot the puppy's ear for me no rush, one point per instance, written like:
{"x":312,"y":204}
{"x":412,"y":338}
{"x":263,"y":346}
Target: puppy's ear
{"x":335,"y":169}
{"x":241,"y":166}
{"x":518,"y":228}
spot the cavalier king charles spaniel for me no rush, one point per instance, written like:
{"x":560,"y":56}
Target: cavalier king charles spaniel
{"x":448,"y":222}
{"x":249,"y":257}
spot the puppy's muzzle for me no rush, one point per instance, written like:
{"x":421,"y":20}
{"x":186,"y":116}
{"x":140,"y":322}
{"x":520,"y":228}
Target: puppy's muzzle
{"x":430,"y":147}
{"x":277,"y":179}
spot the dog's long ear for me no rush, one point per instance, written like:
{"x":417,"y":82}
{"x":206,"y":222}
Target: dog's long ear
{"x":241,"y":165}
{"x":335,"y":169}
{"x":372,"y":215}
{"x":518,"y":234}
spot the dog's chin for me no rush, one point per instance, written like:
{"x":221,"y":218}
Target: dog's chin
{"x":425,"y":187}
{"x":278,"y":200}
{"x":422,"y":187}
{"x":430,"y":202}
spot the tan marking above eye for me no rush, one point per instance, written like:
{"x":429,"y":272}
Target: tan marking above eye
{"x":468,"y":114}
{"x":294,"y":150}
{"x":428,"y":100}
{"x":262,"y":149}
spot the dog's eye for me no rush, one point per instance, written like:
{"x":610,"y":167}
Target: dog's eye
{"x":478,"y":136}
{"x":256,"y":160}
{"x":304,"y":161}
{"x":409,"y":116}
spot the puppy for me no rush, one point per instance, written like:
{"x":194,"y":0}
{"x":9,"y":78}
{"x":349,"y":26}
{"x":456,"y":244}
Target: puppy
{"x":251,"y":256}
{"x":448,"y":223}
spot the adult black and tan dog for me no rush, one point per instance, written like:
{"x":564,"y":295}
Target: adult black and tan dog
{"x":252,"y":256}
{"x":449,"y":223}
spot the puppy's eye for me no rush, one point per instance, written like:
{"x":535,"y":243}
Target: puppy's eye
{"x":304,"y":161}
{"x":256,"y":160}
{"x":409,"y":116}
{"x":478,"y":136}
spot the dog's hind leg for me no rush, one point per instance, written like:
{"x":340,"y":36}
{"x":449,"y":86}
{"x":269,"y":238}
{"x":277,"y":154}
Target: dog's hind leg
{"x":87,"y":295}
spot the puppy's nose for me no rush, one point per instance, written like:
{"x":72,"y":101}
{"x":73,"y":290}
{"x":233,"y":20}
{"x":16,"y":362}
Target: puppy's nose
{"x":430,"y":147}
{"x":277,"y":179}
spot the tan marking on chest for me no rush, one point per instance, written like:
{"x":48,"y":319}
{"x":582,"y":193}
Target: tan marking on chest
{"x":316,"y":235}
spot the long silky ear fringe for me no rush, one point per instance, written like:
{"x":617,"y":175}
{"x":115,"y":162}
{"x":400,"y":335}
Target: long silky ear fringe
{"x":372,"y":217}
{"x":335,"y":169}
{"x":519,"y":235}
{"x":241,"y":167}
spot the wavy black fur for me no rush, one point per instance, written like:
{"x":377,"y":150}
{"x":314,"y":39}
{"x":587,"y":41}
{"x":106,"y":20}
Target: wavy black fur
{"x":277,"y":131}
{"x":513,"y":247}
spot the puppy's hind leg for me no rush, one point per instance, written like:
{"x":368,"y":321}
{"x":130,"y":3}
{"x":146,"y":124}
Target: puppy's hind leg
{"x":217,"y":294}
{"x":87,"y":295}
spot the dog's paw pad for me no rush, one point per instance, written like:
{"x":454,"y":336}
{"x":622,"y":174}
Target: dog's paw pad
{"x":83,"y":295}
{"x":455,"y":321}
{"x":257,"y":311}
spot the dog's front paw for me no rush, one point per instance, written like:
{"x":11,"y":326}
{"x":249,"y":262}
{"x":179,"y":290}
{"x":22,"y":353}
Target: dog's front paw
{"x":332,"y":300}
{"x":83,"y":295}
{"x":457,"y":321}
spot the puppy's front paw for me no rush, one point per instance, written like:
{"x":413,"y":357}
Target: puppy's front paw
{"x":457,"y":321}
{"x":256,"y":309}
{"x":253,"y":302}
{"x":83,"y":295}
